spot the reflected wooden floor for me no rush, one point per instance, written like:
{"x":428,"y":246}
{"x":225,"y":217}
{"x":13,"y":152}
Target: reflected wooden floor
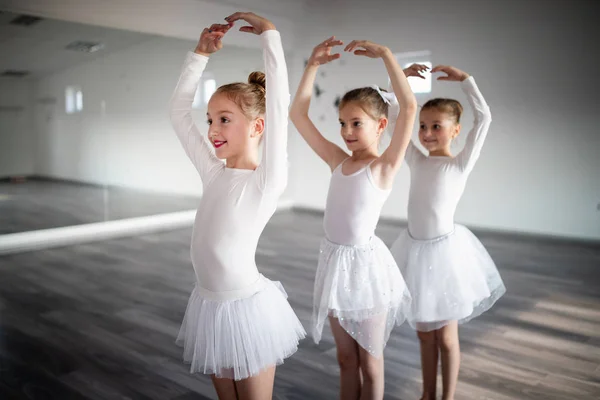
{"x":98,"y":321}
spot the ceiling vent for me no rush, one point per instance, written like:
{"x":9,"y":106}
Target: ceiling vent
{"x":13,"y":73}
{"x":25,"y":20}
{"x":85,"y":47}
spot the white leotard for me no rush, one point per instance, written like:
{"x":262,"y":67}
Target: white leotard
{"x":353,"y":207}
{"x":236,"y":204}
{"x":437,"y":183}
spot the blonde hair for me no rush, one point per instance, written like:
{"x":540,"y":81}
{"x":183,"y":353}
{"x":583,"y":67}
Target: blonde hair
{"x":449,"y":106}
{"x":368,"y":99}
{"x":250,"y":97}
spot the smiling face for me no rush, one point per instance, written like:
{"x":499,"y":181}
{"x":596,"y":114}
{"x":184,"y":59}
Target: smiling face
{"x":359,"y":130}
{"x":437,"y":129}
{"x":231,"y":133}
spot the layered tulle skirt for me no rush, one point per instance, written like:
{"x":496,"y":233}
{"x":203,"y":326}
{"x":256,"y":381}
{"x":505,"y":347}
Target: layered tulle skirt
{"x":450,"y":278}
{"x":239,"y":338}
{"x":362,"y":287}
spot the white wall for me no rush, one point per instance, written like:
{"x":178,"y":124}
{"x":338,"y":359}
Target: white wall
{"x":533,"y":62}
{"x":183,"y":19}
{"x":131,"y":143}
{"x":16,"y":127}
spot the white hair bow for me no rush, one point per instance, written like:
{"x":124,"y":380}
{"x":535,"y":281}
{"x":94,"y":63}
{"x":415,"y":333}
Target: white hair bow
{"x":393,"y":110}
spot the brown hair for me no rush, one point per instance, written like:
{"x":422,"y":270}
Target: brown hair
{"x":250,"y":97}
{"x":368,"y":99}
{"x":450,"y":106}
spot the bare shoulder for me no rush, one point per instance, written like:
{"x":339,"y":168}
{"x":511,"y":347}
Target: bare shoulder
{"x":337,"y":158}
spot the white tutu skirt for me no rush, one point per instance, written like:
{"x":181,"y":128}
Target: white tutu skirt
{"x":362,"y":287}
{"x":237,"y":339}
{"x":450,"y":278}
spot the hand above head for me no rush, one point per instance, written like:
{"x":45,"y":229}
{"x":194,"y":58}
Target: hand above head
{"x":366,"y":48}
{"x":257,"y":23}
{"x":416,"y":70}
{"x":453,"y":74}
{"x":322,"y":52}
{"x":210,"y":39}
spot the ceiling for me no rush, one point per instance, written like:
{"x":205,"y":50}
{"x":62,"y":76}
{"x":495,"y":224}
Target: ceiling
{"x":40,"y":48}
{"x":282,"y":8}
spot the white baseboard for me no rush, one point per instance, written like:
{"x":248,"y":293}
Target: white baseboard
{"x":69,"y":235}
{"x":284,"y":205}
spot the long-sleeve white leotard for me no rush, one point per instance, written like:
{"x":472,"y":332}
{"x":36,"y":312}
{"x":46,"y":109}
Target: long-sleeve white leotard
{"x":236,"y":204}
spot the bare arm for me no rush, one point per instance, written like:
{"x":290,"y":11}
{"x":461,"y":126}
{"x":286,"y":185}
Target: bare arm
{"x":329,"y":152}
{"x":385,"y":168}
{"x":413,"y":154}
{"x":392,"y":157}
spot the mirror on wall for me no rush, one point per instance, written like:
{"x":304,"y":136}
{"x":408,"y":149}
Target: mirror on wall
{"x":84,"y":129}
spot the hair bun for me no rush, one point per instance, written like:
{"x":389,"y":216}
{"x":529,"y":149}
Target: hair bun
{"x":258,"y":78}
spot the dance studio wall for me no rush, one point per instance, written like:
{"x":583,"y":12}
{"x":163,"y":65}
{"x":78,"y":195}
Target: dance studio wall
{"x":171,"y":18}
{"x":130,"y":143}
{"x":538,"y":171}
{"x":17,"y":138}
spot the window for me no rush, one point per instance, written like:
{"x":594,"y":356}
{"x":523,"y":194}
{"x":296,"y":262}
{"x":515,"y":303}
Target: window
{"x":419,"y":85}
{"x":418,"y":57}
{"x":197,"y":97}
{"x":205,"y":90}
{"x":73,"y":100}
{"x":210,"y":86}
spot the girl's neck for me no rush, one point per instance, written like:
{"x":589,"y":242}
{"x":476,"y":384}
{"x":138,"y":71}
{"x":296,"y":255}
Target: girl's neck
{"x":244,"y":161}
{"x":440,"y":153}
{"x":365,"y":154}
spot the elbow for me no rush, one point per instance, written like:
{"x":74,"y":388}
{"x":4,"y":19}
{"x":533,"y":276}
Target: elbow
{"x":297,"y":115}
{"x":411,"y":104}
{"x":407,"y":111}
{"x":487,"y":115}
{"x":408,"y":107}
{"x":177,"y":111}
{"x":484,"y":116}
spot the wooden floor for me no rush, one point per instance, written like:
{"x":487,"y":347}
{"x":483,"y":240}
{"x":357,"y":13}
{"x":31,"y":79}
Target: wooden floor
{"x":98,"y":321}
{"x":45,"y":203}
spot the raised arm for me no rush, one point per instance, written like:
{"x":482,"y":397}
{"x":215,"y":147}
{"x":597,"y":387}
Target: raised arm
{"x":413,"y":154}
{"x":329,"y":152}
{"x":180,"y":106}
{"x":392,"y":157}
{"x":481,"y":125}
{"x":482,"y":116}
{"x":273,"y":168}
{"x":384,"y":169}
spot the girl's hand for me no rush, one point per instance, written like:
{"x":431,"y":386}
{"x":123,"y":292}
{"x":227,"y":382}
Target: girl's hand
{"x":372,"y":50}
{"x":322,"y":52}
{"x":454,"y":74}
{"x":416,"y":70}
{"x":257,"y":23}
{"x":210,"y":39}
